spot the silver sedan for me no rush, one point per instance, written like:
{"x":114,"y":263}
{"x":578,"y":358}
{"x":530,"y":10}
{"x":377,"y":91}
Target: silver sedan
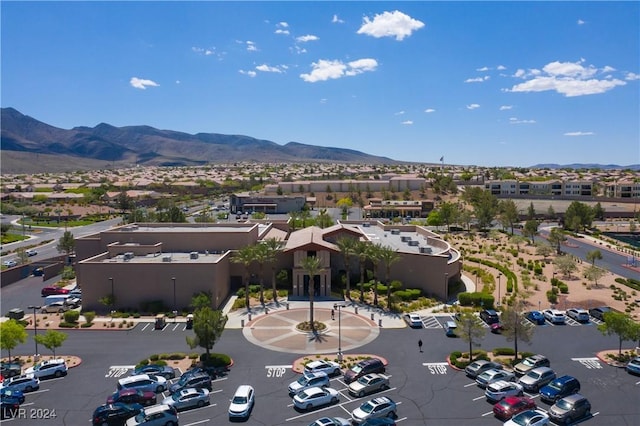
{"x":188,"y":398}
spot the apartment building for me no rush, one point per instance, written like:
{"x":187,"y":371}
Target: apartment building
{"x":545,"y":188}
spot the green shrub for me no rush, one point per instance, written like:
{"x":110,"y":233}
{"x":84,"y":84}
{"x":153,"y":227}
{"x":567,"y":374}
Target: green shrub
{"x":476,"y":299}
{"x":71,"y":316}
{"x":143,"y":363}
{"x":65,"y":324}
{"x":504,"y":351}
{"x":215,"y":360}
{"x":89,"y":316}
{"x":552,"y":297}
{"x":564,"y":289}
{"x":154,"y":357}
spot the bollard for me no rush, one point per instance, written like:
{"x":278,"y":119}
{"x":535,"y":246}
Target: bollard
{"x":372,"y":314}
{"x":249,"y":317}
{"x":266,"y":311}
{"x":356,"y":309}
{"x":287,"y":306}
{"x":242,"y":323}
{"x":380,"y":322}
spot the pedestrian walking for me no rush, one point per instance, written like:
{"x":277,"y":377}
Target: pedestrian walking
{"x":420,"y":345}
{"x":333,"y":314}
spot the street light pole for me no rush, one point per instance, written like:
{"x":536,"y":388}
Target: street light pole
{"x":339,"y":308}
{"x":35,"y":329}
{"x":175,"y":311}
{"x":113,"y":296}
{"x":499,"y":275}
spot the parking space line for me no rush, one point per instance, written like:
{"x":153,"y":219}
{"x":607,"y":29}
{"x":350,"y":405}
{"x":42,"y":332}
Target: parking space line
{"x":431,"y":322}
{"x":470,"y":384}
{"x":490,"y":413}
{"x":478,"y":398}
{"x":146,"y":324}
{"x":198,"y":422}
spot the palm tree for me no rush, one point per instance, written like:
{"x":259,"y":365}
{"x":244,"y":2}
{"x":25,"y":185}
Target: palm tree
{"x":261,"y":256}
{"x":313,"y":266}
{"x":388,"y":256}
{"x":347,"y":246}
{"x":374,"y":256}
{"x":274,"y":246}
{"x":245,"y":256}
{"x":362,"y":251}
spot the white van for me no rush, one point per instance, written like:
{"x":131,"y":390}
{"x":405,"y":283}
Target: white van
{"x":55,"y":298}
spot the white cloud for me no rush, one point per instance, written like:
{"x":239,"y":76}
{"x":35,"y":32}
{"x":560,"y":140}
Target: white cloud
{"x":567,"y":78}
{"x":178,"y":82}
{"x":282,"y":24}
{"x":579,"y":134}
{"x":250,"y":73}
{"x":477,"y":79}
{"x":514,"y":120}
{"x":399,"y":113}
{"x":308,"y":37}
{"x":336,"y":20}
{"x":483,"y":69}
{"x":429,"y":110}
{"x":501,"y":68}
{"x":332,"y":69}
{"x":581,"y":22}
{"x":281,"y":31}
{"x":407,"y":123}
{"x":632,"y":76}
{"x":505,"y":107}
{"x":473,"y":106}
{"x":203,"y":51}
{"x":251,"y":46}
{"x":390,"y":24}
{"x":267,"y":68}
{"x":323,"y":100}
{"x":141,"y":83}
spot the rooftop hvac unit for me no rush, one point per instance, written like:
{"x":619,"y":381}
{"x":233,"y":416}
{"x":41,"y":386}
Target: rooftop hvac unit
{"x":166,"y":258}
{"x":405,"y":239}
{"x":426,"y":250}
{"x":193,"y":255}
{"x":366,"y":224}
{"x":395,"y":232}
{"x":128,"y":255}
{"x":414,"y":243}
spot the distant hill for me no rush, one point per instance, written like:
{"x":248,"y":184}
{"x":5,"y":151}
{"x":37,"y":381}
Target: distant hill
{"x":587,"y":166}
{"x":24,"y":139}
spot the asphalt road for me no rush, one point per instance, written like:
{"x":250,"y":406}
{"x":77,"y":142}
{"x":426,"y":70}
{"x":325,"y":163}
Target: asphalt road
{"x":428,"y":391}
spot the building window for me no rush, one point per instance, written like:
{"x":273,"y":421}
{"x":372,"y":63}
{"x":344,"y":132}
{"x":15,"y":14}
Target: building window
{"x":311,"y":253}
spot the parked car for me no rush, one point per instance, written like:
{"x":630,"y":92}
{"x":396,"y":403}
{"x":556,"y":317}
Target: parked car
{"x":76,"y":292}
{"x":479,"y":366}
{"x":311,"y":398}
{"x":8,"y":409}
{"x":535,"y":317}
{"x":329,"y":367}
{"x":529,"y":418}
{"x":145,"y":382}
{"x":309,"y":380}
{"x":22,"y":383}
{"x":379,"y":421}
{"x":366,"y":366}
{"x":369,"y":383}
{"x":195,"y":380}
{"x":188,"y":398}
{"x":377,"y":407}
{"x":55,"y":367}
{"x":559,"y":388}
{"x":598,"y":313}
{"x":73,"y":302}
{"x":502,"y":389}
{"x":413,"y":320}
{"x":489,"y":316}
{"x":31,"y":252}
{"x":165,"y":371}
{"x":537,"y":378}
{"x":331,"y":421}
{"x":156,"y":415}
{"x":133,"y":396}
{"x":49,"y":291}
{"x":114,"y":414}
{"x":55,"y":307}
{"x":578,"y":314}
{"x":529,"y":363}
{"x":10,"y":394}
{"x":493,"y":375}
{"x":450,"y":328}
{"x":554,"y":316}
{"x":633,"y":366}
{"x":10,"y":263}
{"x":570,"y":408}
{"x":242,"y":402}
{"x":512,"y":405}
{"x":10,"y":369}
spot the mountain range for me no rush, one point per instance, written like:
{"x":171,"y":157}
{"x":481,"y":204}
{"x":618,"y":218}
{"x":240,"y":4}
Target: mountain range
{"x":31,"y":146}
{"x":24,"y":138}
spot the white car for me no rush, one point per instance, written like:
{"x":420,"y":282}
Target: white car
{"x":10,"y":263}
{"x":54,"y":367}
{"x":369,"y":383}
{"x":188,"y":398}
{"x":529,"y":418}
{"x":55,"y":307}
{"x":156,"y":415}
{"x":331,"y":421}
{"x":309,"y":380}
{"x":242,"y":402}
{"x":312,"y":398}
{"x":501,"y":389}
{"x":554,"y":316}
{"x":22,"y":383}
{"x":578,"y":314}
{"x":31,"y":252}
{"x":413,"y":320}
{"x":329,"y":367}
{"x":492,"y":376}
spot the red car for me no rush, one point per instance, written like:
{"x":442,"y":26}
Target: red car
{"x":512,"y":405}
{"x":133,"y":396}
{"x":49,"y":291}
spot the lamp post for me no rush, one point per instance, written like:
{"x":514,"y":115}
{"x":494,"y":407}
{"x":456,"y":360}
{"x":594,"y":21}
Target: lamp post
{"x":175,"y":311}
{"x":339,"y":308}
{"x":499,"y":275}
{"x":35,"y":328}
{"x":446,"y":286}
{"x":113,"y":296}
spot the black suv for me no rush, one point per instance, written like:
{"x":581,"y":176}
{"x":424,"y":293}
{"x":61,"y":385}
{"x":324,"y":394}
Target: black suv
{"x":559,"y":388}
{"x":115,"y":414}
{"x":598,"y":313}
{"x":490,"y":316}
{"x":364,"y":367}
{"x":195,"y":380}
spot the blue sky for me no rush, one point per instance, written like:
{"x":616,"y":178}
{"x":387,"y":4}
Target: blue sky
{"x":485,"y":83}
